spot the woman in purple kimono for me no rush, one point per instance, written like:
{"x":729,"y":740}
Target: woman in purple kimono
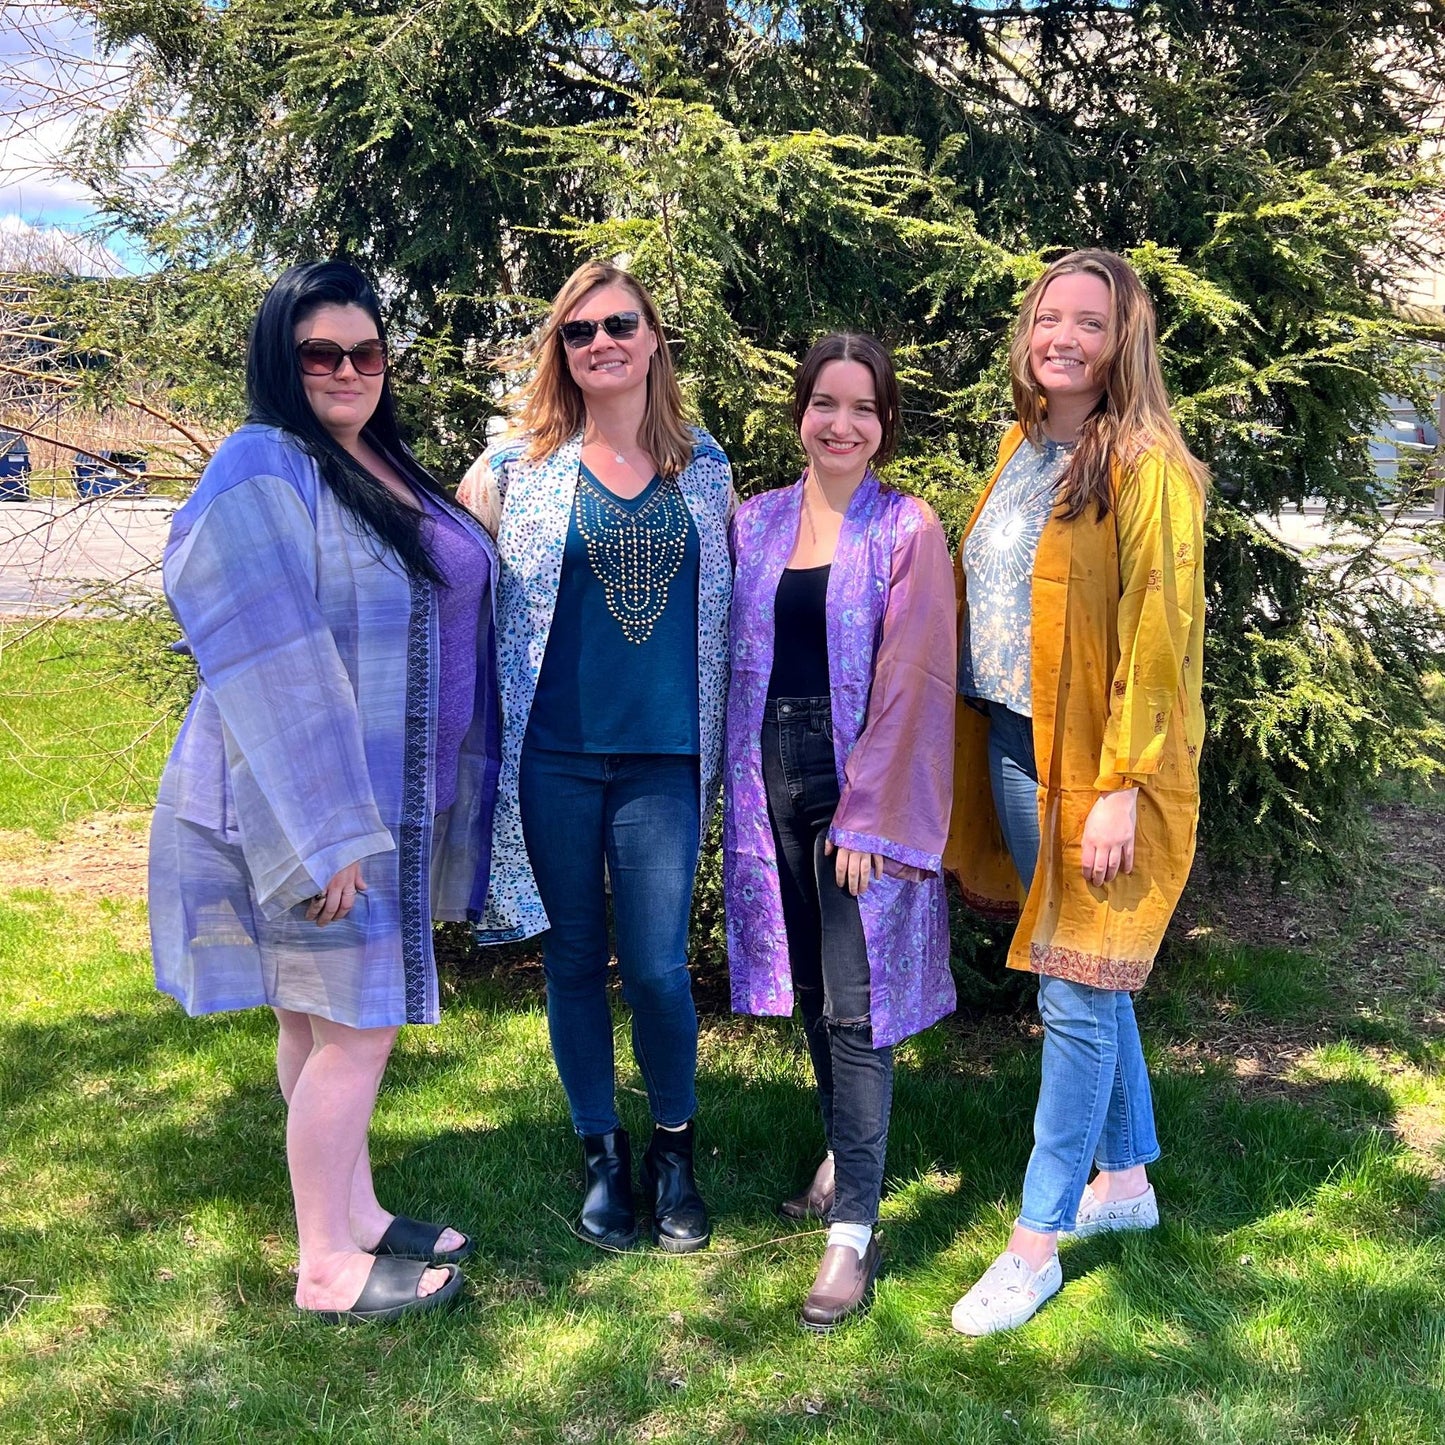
{"x":332,"y":786}
{"x":838,"y":782}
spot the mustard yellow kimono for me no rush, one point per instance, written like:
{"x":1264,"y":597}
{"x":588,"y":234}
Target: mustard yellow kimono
{"x":1117,"y":672}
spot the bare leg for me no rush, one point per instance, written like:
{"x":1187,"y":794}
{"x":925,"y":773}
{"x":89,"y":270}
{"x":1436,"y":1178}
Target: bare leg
{"x":293,"y":1047}
{"x":1111,"y":1186}
{"x":330,"y":1111}
{"x":1033,"y":1248}
{"x":369,"y":1220}
{"x":294,"y":1043}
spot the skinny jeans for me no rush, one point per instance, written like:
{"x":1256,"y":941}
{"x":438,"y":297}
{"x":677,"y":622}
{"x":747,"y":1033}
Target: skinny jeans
{"x":827,"y":953}
{"x":637,"y":815}
{"x":1095,"y":1106}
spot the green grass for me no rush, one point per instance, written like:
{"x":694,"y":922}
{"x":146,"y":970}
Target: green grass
{"x":1262,"y":983}
{"x":77,"y":734}
{"x":1295,"y":1292}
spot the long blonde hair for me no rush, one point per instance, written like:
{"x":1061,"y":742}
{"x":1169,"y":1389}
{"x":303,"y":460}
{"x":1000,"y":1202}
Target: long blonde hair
{"x":551,"y":406}
{"x":1133,"y":414}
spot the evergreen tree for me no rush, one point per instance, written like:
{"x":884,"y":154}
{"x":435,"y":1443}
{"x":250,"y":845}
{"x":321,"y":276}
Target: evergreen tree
{"x":905,"y":168}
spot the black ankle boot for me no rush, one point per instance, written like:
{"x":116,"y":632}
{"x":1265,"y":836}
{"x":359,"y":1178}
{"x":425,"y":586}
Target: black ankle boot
{"x":608,"y":1219}
{"x":679,"y":1217}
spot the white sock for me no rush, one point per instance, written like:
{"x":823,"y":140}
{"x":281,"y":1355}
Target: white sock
{"x":855,"y":1236}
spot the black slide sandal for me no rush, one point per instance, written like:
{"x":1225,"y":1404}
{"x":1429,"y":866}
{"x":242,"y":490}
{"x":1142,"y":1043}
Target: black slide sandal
{"x":416,"y":1239}
{"x":390,"y":1292}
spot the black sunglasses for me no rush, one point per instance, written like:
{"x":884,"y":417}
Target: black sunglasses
{"x":324,"y":358}
{"x":619,"y":325}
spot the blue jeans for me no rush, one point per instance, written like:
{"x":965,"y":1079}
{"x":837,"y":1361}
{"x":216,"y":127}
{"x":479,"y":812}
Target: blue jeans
{"x":1095,"y":1106}
{"x":638,"y":813}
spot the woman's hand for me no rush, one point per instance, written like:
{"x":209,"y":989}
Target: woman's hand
{"x":340,"y":894}
{"x":1109,"y":836}
{"x":855,"y":871}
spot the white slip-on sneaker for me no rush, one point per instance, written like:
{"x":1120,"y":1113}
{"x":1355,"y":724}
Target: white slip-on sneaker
{"x":1097,"y":1217}
{"x":1008,"y":1293}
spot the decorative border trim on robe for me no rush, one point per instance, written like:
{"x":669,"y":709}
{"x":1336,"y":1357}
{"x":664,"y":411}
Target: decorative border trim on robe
{"x":415,"y":827}
{"x":1122,"y":975}
{"x":991,"y":908}
{"x":900,"y":853}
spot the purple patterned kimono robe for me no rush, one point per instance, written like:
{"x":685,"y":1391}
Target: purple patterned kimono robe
{"x":310,"y":744}
{"x":891,"y":658}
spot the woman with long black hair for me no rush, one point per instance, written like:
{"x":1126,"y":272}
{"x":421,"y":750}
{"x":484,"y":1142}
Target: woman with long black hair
{"x":331,"y":789}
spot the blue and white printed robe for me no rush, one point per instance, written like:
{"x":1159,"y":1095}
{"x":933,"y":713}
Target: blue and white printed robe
{"x":537,"y":499}
{"x":307,"y":747}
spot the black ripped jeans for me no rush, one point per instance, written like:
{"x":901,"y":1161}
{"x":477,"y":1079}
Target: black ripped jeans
{"x":828,"y":955}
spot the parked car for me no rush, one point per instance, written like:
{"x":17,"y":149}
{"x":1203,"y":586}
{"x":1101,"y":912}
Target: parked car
{"x":14,"y":468}
{"x":100,"y":475}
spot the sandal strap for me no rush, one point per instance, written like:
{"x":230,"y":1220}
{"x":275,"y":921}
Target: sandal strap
{"x":391,"y":1282}
{"x":410,"y":1238}
{"x":392,"y":1285}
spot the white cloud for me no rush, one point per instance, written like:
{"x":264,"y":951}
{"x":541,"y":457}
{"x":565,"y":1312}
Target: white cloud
{"x":53,"y":248}
{"x":51,"y":80}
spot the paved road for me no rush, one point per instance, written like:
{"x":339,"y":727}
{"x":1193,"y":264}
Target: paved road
{"x":57,"y":554}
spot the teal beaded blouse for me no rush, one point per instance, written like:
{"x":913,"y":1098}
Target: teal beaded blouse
{"x":620,"y":671}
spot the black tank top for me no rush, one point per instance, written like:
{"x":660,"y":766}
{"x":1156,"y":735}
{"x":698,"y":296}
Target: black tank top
{"x":800,"y":634}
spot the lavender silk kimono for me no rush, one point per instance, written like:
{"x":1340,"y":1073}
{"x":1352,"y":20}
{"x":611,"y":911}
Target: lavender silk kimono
{"x":537,"y":499}
{"x":891,"y":654}
{"x":309,"y":745}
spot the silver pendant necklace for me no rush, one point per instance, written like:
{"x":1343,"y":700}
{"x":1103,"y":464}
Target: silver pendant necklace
{"x":617,"y":456}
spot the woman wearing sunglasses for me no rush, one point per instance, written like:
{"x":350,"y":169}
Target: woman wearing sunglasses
{"x":331,"y":789}
{"x":611,"y":522}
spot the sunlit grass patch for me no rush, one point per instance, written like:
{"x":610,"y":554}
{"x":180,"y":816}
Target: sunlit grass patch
{"x":78,"y":733}
{"x":1293,"y":1292}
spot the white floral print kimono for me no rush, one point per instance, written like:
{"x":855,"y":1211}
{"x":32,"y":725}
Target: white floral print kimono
{"x":536,"y":500}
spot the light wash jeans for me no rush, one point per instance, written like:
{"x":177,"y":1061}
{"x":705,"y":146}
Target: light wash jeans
{"x":1095,"y":1106}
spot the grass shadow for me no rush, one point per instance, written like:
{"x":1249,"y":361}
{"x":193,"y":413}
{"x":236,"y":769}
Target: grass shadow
{"x":143,"y":1191}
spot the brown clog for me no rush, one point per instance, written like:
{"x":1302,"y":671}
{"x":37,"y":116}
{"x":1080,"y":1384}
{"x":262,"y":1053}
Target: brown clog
{"x":816,"y":1201}
{"x":843,"y":1285}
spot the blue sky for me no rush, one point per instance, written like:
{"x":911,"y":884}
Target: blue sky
{"x":48,"y":57}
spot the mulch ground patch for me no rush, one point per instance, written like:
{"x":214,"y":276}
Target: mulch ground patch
{"x":1369,"y":940}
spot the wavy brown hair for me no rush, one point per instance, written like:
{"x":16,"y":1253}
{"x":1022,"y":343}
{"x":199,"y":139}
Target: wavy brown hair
{"x":1133,"y":414}
{"x":551,"y":407}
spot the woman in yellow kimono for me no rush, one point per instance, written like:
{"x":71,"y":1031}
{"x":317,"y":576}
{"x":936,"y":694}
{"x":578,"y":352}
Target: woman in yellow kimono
{"x":1076,"y":790}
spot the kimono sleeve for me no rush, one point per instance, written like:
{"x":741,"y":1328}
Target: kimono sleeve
{"x":483,"y":489}
{"x":1159,"y":516}
{"x":242,"y":583}
{"x":898,"y":779}
{"x":730,"y":501}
